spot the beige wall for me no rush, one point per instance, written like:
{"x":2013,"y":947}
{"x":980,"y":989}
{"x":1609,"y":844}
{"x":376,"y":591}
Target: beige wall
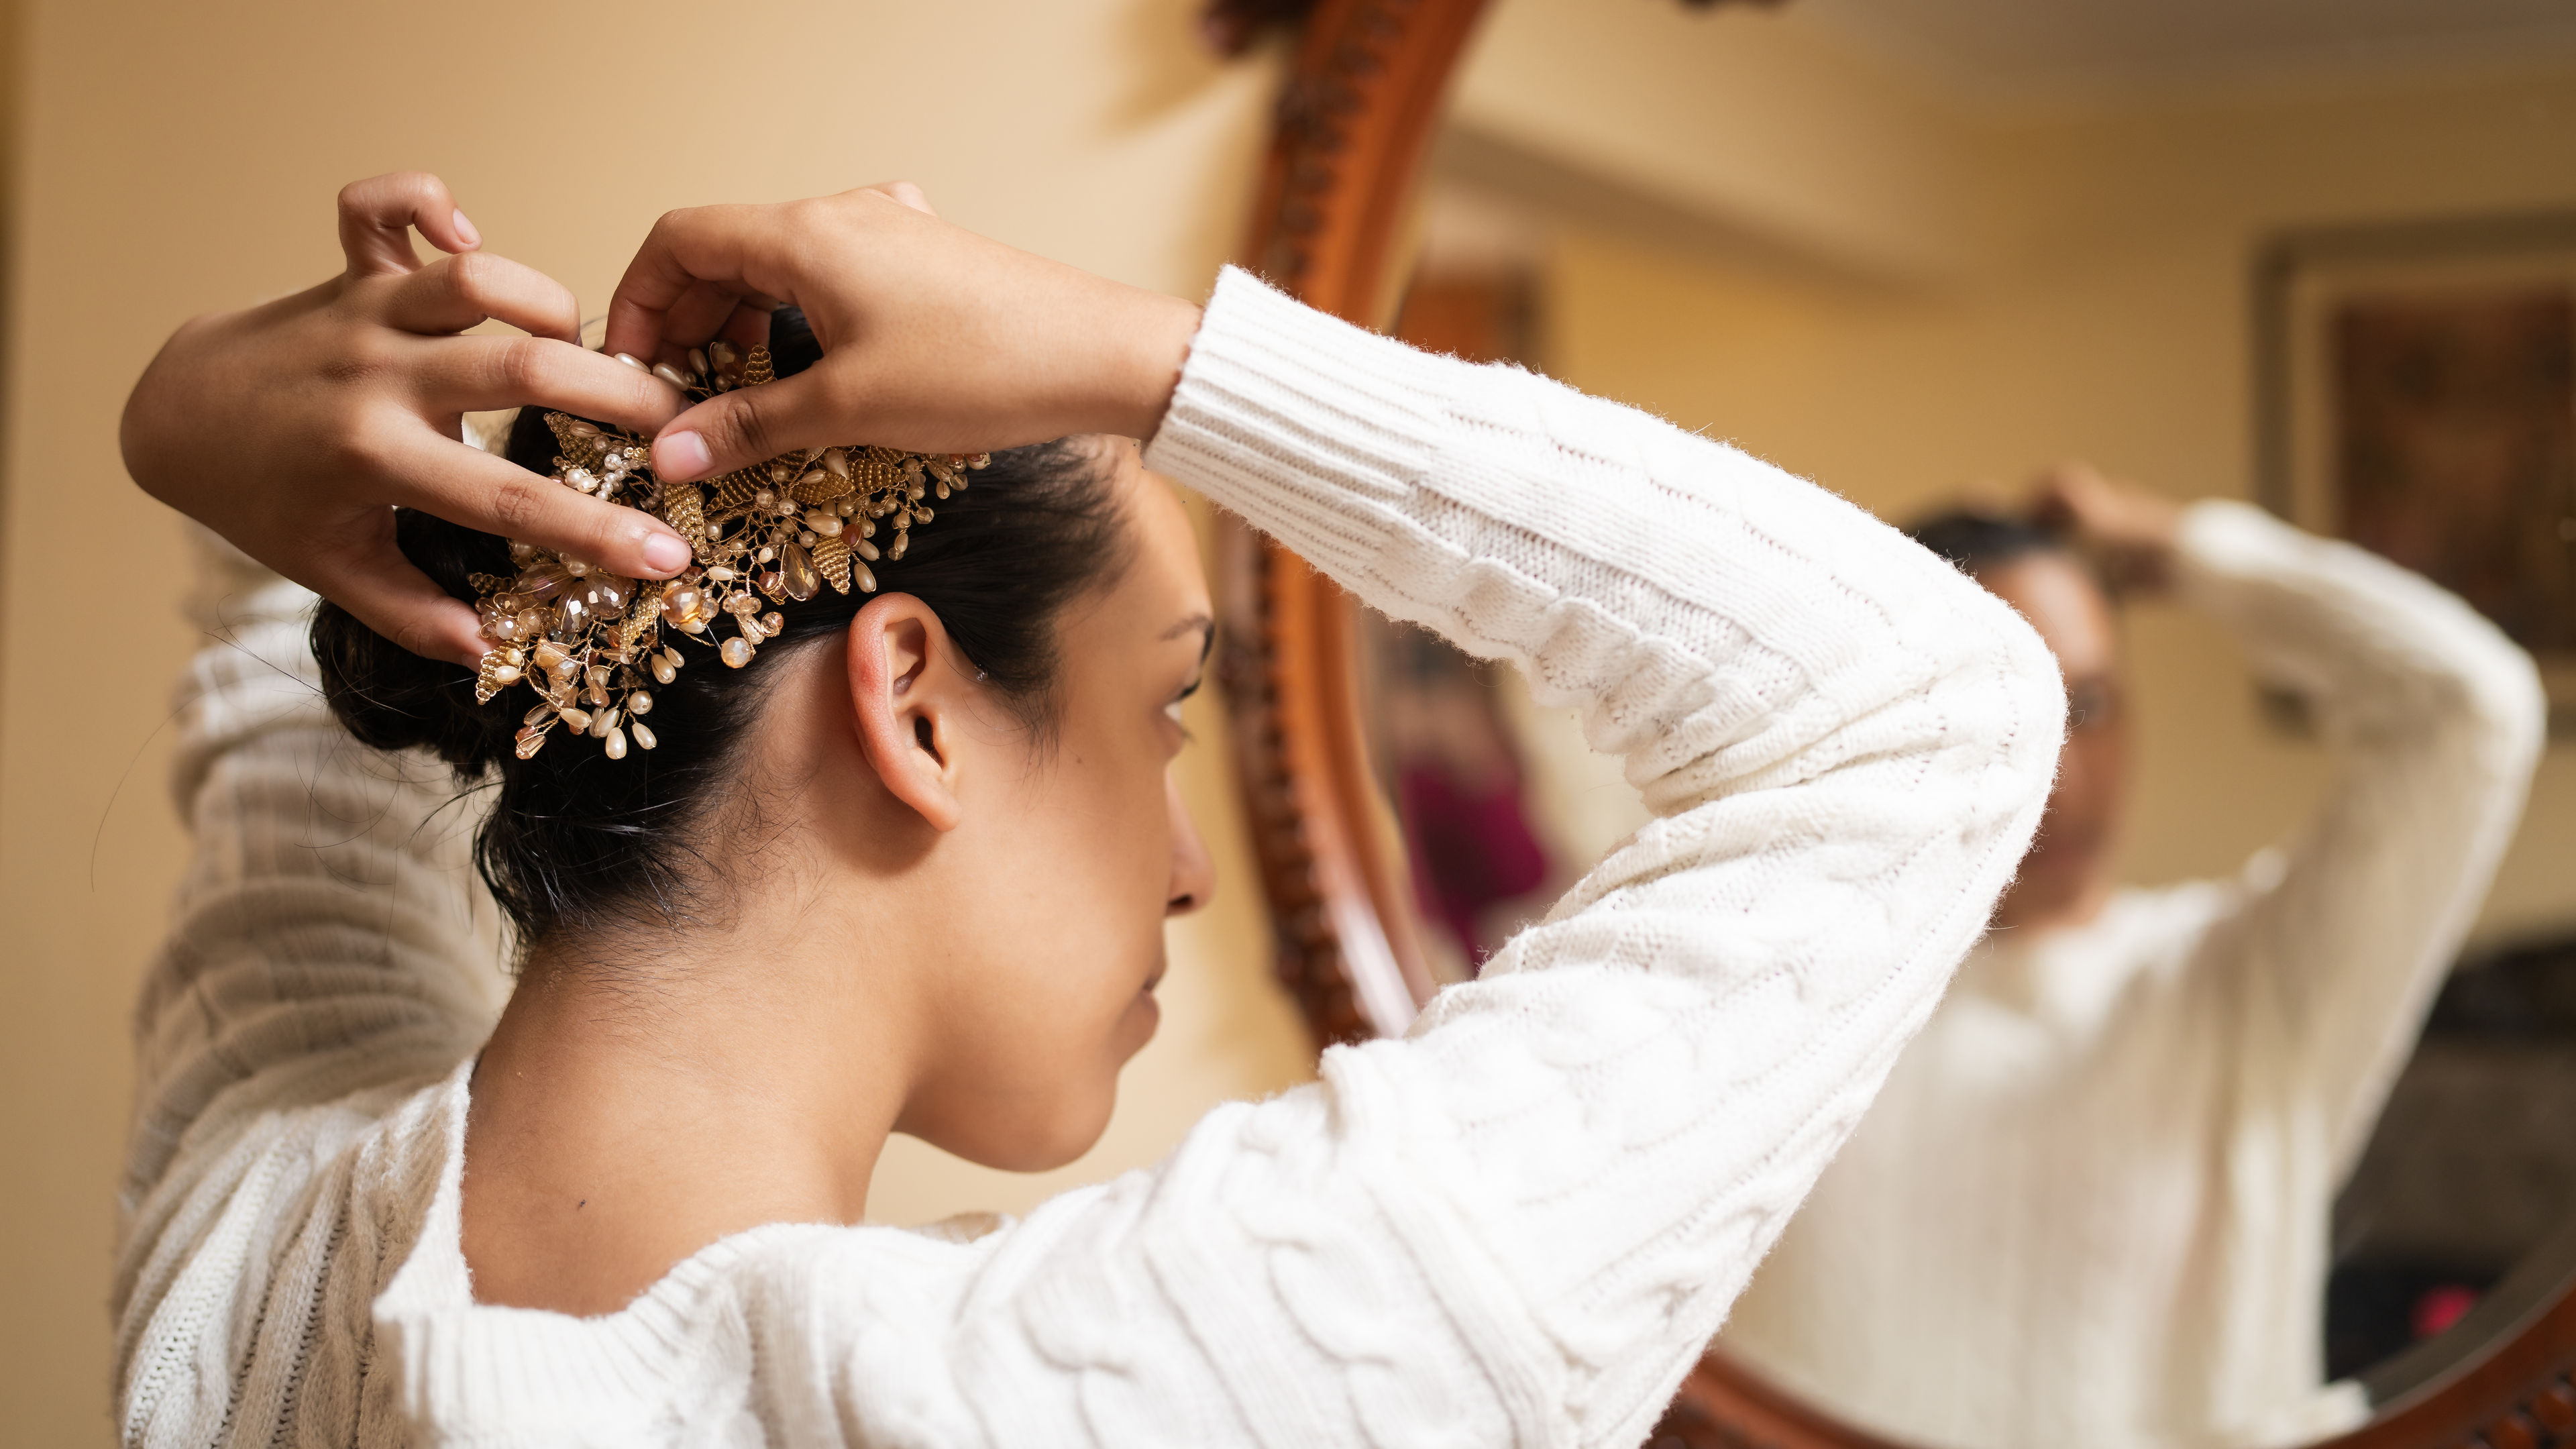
{"x":2109,"y":321}
{"x":183,"y":157}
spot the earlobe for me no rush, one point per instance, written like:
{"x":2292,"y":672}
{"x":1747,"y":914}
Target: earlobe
{"x":903,"y":713}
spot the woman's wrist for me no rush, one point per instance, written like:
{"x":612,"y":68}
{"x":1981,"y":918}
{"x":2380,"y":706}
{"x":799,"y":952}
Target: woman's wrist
{"x":1158,"y":336}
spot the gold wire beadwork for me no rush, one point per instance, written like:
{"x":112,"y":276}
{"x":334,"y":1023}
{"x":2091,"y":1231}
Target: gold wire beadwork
{"x":591,"y":645}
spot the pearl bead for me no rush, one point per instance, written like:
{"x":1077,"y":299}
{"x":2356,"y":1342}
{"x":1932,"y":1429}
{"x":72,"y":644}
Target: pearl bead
{"x":640,"y":702}
{"x":633,"y":361}
{"x":643,"y":734}
{"x":697,"y":359}
{"x":616,"y":744}
{"x":671,"y":375}
{"x":506,"y":674}
{"x":736,"y":652}
{"x":577,"y":717}
{"x":663,"y":673}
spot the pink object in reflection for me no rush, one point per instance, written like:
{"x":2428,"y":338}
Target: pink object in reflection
{"x":2438,"y":1308}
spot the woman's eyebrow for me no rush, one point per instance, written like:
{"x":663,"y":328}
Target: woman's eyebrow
{"x":1201,"y":622}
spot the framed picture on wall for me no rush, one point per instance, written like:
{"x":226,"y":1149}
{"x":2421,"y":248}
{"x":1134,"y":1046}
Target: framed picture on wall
{"x":2418,"y":397}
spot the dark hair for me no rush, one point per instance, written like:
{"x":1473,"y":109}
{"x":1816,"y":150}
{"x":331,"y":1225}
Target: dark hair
{"x":578,"y":841}
{"x":1973,"y":539}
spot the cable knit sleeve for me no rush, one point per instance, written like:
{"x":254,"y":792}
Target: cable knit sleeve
{"x":1520,"y":1224}
{"x":2436,"y":722}
{"x":329,"y":935}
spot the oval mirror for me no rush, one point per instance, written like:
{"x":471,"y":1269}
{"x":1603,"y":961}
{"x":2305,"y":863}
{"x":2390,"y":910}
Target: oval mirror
{"x":2321,"y":257}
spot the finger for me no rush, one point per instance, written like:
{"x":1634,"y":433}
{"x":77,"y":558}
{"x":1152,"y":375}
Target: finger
{"x":907,"y":193}
{"x":748,"y":425}
{"x":389,"y":595}
{"x":454,"y":293}
{"x":701,"y":312}
{"x":479,"y":374}
{"x":475,"y":489}
{"x":377,"y":215}
{"x":748,"y":327}
{"x":685,"y":249}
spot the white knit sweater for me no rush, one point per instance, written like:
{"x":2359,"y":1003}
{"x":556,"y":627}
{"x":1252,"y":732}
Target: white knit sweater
{"x":1516,"y":1226}
{"x":2092,"y":1205}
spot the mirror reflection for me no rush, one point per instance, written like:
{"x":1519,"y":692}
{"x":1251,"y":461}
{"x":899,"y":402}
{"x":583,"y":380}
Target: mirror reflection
{"x":2232,"y":345}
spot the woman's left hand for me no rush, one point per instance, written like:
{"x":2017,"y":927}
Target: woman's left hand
{"x":294,"y":429}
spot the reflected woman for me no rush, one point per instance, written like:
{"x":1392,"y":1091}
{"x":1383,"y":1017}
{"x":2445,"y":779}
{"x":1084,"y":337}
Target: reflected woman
{"x":2092,"y":1205}
{"x":906,"y":869}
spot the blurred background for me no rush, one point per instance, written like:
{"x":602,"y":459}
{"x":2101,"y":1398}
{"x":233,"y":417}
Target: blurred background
{"x":1910,"y":251}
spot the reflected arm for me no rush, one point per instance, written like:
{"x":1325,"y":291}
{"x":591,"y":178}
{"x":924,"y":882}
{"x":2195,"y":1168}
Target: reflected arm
{"x":2436,"y":721}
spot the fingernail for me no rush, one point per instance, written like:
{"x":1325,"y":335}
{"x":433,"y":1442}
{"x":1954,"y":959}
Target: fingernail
{"x":465,"y":229}
{"x":681,"y":455}
{"x":664,"y":553}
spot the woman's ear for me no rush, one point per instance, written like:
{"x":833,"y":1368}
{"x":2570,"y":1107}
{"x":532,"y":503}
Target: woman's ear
{"x":909,"y":701}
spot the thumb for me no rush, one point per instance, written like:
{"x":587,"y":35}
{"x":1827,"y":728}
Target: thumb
{"x":749,"y":425}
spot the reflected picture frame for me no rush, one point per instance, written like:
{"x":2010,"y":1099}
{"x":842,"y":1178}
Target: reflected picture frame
{"x":2416,"y":394}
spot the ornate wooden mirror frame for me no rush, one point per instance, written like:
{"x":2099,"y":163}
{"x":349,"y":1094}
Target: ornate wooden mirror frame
{"x":1361,"y":99}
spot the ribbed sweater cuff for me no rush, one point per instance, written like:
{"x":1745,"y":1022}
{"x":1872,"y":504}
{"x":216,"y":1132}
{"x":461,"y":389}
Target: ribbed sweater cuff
{"x":1300,"y":422}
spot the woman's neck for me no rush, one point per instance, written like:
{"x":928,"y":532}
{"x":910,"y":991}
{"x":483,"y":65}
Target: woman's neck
{"x":620,"y":1125}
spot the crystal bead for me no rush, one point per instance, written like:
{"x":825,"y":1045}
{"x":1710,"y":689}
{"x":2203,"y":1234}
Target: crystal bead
{"x":532,"y":622}
{"x":538,"y":715}
{"x":723,"y":353}
{"x":773,"y":623}
{"x":576,"y":567}
{"x":797,"y":574}
{"x":531,"y":740}
{"x":736,"y":652}
{"x":643,"y":734}
{"x":615,"y":744}
{"x":576,"y":717}
{"x":551,"y":656}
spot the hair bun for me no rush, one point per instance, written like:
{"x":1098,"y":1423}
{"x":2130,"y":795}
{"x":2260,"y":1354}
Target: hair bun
{"x":393,"y":699}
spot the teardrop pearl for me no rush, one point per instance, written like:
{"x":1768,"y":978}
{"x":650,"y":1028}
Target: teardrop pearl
{"x":643,"y":734}
{"x":616,"y":743}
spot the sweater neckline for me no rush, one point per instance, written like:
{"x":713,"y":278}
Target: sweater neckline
{"x":647,"y":1355}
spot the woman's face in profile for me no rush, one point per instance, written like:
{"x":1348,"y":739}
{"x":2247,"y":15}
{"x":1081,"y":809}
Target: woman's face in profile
{"x":1084,"y":852}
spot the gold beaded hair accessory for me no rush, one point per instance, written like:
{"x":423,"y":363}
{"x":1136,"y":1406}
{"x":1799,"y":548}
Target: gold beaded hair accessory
{"x":586,"y":641}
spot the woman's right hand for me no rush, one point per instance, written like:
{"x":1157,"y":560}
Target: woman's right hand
{"x":295,"y":428}
{"x":934,"y":339}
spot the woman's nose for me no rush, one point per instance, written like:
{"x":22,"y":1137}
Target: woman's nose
{"x":1193,"y":874}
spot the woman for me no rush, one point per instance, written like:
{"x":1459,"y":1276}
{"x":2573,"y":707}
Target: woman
{"x":888,"y":885}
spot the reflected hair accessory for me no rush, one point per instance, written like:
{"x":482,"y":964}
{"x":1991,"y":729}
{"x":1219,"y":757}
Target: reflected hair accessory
{"x":586,"y":641}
